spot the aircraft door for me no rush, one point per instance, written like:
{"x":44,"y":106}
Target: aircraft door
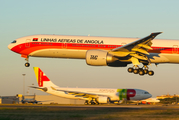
{"x":175,"y":49}
{"x":64,"y":45}
{"x":123,"y":43}
{"x":27,"y":44}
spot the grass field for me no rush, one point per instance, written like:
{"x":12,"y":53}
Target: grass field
{"x":61,"y":113}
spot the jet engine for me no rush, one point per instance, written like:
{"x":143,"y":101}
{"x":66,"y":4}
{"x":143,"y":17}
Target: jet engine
{"x":103,"y":58}
{"x":102,"y":100}
{"x":99,"y":58}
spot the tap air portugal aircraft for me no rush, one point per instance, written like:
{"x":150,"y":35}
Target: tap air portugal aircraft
{"x":100,"y":51}
{"x":91,"y":95}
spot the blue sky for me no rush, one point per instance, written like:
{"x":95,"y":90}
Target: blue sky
{"x":118,"y":18}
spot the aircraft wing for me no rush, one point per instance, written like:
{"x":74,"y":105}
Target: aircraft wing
{"x":80,"y":94}
{"x":76,"y":93}
{"x":137,"y":49}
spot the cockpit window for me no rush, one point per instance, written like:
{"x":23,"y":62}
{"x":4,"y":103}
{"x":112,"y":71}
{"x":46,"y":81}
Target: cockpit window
{"x":13,"y":41}
{"x":146,"y":92}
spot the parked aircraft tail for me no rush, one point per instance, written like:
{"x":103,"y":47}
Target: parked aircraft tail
{"x":42,"y":80}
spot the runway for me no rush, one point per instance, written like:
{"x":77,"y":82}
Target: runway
{"x":89,"y":112}
{"x":158,"y":107}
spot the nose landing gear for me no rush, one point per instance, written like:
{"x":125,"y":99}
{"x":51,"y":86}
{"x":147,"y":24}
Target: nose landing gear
{"x":27,"y":64}
{"x":141,"y":71}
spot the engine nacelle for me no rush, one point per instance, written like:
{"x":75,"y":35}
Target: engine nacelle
{"x":102,"y":58}
{"x":102,"y":100}
{"x":99,"y":58}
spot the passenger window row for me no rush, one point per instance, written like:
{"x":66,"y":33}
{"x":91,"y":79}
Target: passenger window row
{"x":41,"y":43}
{"x":158,"y":48}
{"x":109,"y":46}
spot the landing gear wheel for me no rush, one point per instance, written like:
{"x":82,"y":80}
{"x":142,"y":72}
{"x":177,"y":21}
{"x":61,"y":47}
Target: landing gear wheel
{"x":108,"y":101}
{"x":93,"y":103}
{"x":151,"y":73}
{"x":136,"y":71}
{"x":141,"y":72}
{"x":130,"y":70}
{"x":97,"y":103}
{"x":27,"y":64}
{"x":86,"y":102}
{"x":145,"y":71}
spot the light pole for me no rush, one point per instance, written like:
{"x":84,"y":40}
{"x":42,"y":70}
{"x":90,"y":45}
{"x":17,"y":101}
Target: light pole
{"x":176,"y":99}
{"x":23,"y":84}
{"x":33,"y":89}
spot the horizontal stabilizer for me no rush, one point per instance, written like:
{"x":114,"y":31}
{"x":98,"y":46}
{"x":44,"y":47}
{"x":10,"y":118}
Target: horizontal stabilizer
{"x":41,"y":88}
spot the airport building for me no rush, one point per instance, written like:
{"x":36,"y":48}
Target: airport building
{"x":167,"y":96}
{"x":38,"y":99}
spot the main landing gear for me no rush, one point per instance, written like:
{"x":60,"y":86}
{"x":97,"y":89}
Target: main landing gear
{"x":141,"y":71}
{"x":27,"y":64}
{"x":91,"y":102}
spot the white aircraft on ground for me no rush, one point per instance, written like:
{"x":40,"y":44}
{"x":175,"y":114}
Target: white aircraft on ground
{"x":147,"y":101}
{"x":150,"y":100}
{"x":91,"y":95}
{"x":100,"y":51}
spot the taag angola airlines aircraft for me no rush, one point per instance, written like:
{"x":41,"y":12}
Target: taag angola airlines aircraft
{"x":100,"y":51}
{"x":90,"y":95}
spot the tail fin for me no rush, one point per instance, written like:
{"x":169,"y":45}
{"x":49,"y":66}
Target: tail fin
{"x":42,"y":79}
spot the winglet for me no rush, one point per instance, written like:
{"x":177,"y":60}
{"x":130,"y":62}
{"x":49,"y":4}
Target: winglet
{"x":155,"y":34}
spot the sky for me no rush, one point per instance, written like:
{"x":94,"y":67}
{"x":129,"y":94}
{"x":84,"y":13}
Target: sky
{"x":116,"y":18}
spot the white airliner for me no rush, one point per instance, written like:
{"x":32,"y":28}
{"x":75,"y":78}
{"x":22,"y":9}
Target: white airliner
{"x":149,"y":100}
{"x":100,"y":51}
{"x":90,"y":95}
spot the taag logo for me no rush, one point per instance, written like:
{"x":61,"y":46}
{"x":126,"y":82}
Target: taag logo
{"x":95,"y":57}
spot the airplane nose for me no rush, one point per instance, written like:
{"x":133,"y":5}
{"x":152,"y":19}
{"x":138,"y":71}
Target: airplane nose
{"x":10,"y":46}
{"x":150,"y":95}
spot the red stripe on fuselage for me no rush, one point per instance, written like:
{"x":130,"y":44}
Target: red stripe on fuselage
{"x":34,"y":46}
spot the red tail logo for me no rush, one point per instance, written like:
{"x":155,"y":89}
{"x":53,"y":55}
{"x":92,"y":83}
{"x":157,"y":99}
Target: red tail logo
{"x":42,"y":77}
